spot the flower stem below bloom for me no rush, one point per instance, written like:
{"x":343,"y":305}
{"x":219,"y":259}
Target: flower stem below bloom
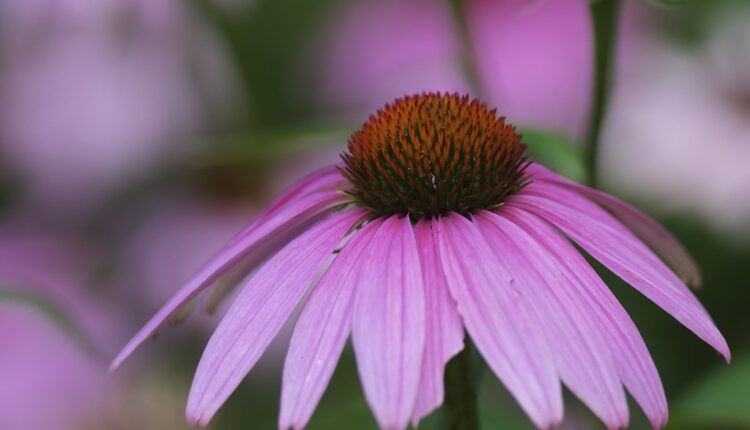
{"x":460,"y":406}
{"x":604,"y":14}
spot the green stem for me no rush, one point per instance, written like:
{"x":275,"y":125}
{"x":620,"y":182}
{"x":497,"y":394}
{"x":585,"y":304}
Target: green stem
{"x":604,"y":14}
{"x":460,"y":406}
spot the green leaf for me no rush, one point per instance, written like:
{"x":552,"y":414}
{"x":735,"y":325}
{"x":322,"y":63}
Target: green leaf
{"x":718,"y":399}
{"x":554,"y":151}
{"x":55,"y":313}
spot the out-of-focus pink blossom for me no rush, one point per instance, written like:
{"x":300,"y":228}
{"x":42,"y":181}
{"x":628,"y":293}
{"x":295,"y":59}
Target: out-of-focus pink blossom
{"x":82,"y":118}
{"x":61,"y":269}
{"x":176,"y":237}
{"x":678,"y":130}
{"x":49,"y":380}
{"x":533,"y":58}
{"x":49,"y":377}
{"x":377,"y":51}
{"x":93,"y":94}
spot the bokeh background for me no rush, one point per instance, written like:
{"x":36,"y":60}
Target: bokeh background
{"x":137,"y":136}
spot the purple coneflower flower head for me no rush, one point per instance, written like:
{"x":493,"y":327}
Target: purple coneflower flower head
{"x":434,"y":226}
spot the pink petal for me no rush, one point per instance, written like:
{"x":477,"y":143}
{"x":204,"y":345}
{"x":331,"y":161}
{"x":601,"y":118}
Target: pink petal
{"x":643,"y":226}
{"x":325,"y":179}
{"x":259,"y":311}
{"x":320,"y":333}
{"x":613,"y":245}
{"x":583,"y":359}
{"x":497,"y":316}
{"x":445,"y":331}
{"x":253,"y":246}
{"x":388,"y":328}
{"x":635,"y":366}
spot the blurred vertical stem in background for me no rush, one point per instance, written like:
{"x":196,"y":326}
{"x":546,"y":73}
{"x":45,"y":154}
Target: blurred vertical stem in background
{"x":604,"y":15}
{"x":468,"y":62}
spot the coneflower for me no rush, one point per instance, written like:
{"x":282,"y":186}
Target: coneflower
{"x":435,"y":225}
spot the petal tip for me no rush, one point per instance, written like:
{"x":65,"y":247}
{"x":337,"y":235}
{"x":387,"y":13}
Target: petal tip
{"x":620,"y":423}
{"x":197,"y":418}
{"x":696,"y":280}
{"x":547,"y":423}
{"x":120,"y":358}
{"x":292,"y":423}
{"x":722,"y":347}
{"x":659,"y":422}
{"x":193,"y":409}
{"x":192,"y":419}
{"x":658,"y":415}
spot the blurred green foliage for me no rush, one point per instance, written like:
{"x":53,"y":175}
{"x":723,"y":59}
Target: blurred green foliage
{"x":718,"y":399}
{"x":555,"y":151}
{"x":265,"y":39}
{"x":688,"y":22}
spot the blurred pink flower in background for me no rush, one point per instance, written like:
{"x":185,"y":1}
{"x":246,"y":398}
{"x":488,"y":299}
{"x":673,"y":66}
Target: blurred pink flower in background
{"x":49,"y":380}
{"x":50,"y":377}
{"x":81,"y":119}
{"x":533,"y":58}
{"x":678,"y":131}
{"x":377,"y":51}
{"x":93,"y":94}
{"x":173,"y":239}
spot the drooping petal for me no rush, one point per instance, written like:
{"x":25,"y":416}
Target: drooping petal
{"x":321,"y":332}
{"x":643,"y":226}
{"x":323,"y":183}
{"x":602,"y":236}
{"x":250,"y":248}
{"x":444,"y":329}
{"x":635,"y":366}
{"x":258,"y":313}
{"x":583,"y":359}
{"x":325,"y":179}
{"x":388,"y":326}
{"x":497,"y":316}
{"x":308,"y":190}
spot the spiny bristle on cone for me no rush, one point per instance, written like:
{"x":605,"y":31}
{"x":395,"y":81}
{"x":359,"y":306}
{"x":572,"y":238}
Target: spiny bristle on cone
{"x":429,"y":154}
